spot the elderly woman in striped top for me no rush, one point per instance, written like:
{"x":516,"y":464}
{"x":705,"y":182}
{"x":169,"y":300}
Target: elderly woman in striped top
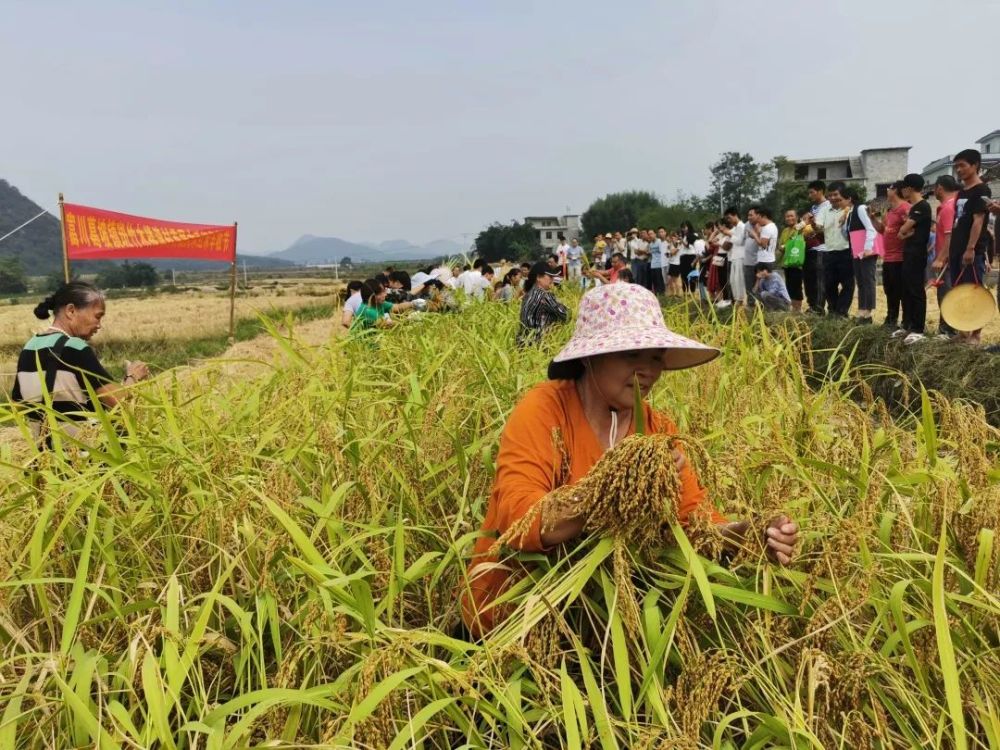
{"x":60,"y":363}
{"x":539,"y":308}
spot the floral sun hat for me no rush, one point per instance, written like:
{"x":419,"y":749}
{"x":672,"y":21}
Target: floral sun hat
{"x":625,"y":317}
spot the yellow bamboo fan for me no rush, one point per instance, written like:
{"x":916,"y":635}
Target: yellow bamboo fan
{"x":968,"y":307}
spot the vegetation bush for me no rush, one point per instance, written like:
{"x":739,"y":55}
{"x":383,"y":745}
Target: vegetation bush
{"x":276,"y":562}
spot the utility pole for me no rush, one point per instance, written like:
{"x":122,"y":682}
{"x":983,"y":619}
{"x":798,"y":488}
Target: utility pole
{"x":173,"y":277}
{"x":245,"y":282}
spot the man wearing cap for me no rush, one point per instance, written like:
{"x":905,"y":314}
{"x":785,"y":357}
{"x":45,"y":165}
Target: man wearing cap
{"x":562,"y":427}
{"x":638,"y":250}
{"x":915,"y":234}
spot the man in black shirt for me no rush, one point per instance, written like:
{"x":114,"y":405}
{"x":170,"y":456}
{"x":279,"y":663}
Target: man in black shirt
{"x":967,"y":253}
{"x":916,"y":234}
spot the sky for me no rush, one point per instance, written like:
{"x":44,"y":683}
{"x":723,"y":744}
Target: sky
{"x":387,"y":119}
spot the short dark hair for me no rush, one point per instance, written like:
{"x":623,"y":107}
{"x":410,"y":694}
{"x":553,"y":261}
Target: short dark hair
{"x":526,"y":264}
{"x":914,"y":181}
{"x":625,"y":276}
{"x":619,"y":256}
{"x":851,"y":193}
{"x":382,"y":278}
{"x":947,"y":183}
{"x":970,"y":156}
{"x":763,"y":267}
{"x":897,"y":186}
{"x":478,"y":262}
{"x":837,"y":186}
{"x":402,"y":277}
{"x":817,"y":185}
{"x":80,"y":294}
{"x":354,"y":286}
{"x":553,"y":256}
{"x":486,"y":270}
{"x":731,"y":211}
{"x":763,"y":211}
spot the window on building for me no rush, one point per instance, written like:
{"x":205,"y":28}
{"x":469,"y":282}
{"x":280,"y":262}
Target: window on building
{"x":820,"y":173}
{"x":801,"y":172}
{"x":882,"y":189}
{"x":988,"y":146}
{"x":548,"y":235}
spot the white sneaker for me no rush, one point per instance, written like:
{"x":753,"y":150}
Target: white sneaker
{"x":722,"y":303}
{"x":914,"y":338}
{"x":898,"y":333}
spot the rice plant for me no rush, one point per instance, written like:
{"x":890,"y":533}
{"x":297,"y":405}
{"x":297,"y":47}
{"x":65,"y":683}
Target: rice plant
{"x":275,"y":562}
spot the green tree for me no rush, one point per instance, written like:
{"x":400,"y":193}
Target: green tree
{"x":12,"y":279}
{"x":617,"y":212}
{"x":739,"y":180}
{"x":346,"y":260}
{"x":508,"y":241}
{"x":128,"y":275}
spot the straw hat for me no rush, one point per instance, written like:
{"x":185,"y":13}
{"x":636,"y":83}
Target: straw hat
{"x":968,"y":307}
{"x":625,"y":317}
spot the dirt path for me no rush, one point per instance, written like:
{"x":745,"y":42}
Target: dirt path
{"x":245,"y":359}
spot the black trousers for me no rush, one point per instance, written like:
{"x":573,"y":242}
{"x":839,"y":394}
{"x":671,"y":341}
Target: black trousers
{"x":914,"y":293}
{"x":838,"y":281}
{"x":892,"y":283}
{"x":793,"y":280}
{"x":812,"y":280}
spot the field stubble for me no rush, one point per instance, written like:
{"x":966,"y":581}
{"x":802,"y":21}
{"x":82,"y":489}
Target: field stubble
{"x":278,"y":562}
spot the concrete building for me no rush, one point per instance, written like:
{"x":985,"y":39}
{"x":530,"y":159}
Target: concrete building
{"x":874,"y":169}
{"x":989,"y":147}
{"x":550,"y":227}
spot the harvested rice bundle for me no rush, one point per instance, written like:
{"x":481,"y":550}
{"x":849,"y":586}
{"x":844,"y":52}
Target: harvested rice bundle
{"x":631,"y":494}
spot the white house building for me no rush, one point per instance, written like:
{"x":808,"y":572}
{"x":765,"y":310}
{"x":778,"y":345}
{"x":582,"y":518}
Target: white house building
{"x":550,"y":227}
{"x":874,"y":169}
{"x":989,"y":147}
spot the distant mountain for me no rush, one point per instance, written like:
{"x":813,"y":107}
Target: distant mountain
{"x":312,"y":249}
{"x":39,"y":245}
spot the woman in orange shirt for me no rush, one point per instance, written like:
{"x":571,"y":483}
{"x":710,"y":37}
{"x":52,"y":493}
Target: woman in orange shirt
{"x":562,"y":427}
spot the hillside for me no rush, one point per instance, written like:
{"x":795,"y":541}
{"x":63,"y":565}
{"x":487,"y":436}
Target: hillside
{"x":39,"y":247}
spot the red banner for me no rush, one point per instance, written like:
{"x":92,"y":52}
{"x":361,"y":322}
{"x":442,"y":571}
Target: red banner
{"x":92,"y":233}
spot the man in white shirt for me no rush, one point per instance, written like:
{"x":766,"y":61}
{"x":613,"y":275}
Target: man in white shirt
{"x":638,"y":249}
{"x":574,"y":261}
{"x":735,"y":232}
{"x":479,"y":283}
{"x":750,"y":248}
{"x":562,"y":254}
{"x":765,"y":232}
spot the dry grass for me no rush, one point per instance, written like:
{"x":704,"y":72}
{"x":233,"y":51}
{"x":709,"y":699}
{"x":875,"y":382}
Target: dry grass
{"x":192,"y":314}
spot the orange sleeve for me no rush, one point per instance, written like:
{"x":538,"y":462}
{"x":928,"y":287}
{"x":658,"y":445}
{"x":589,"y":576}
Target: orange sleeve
{"x":693,"y":495}
{"x":526,"y":466}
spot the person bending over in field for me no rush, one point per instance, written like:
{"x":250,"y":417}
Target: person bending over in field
{"x":374,"y":309}
{"x":588,"y":400}
{"x":60,"y":362}
{"x":352,"y":303}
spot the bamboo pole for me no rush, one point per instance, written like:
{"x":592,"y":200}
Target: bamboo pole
{"x":232,"y":292}
{"x":62,"y":233}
